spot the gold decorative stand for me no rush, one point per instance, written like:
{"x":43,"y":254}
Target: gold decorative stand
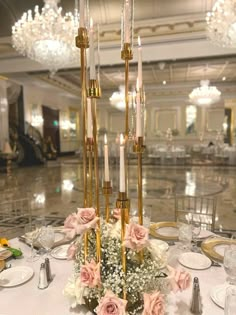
{"x":123,"y":203}
{"x":107,"y":191}
{"x":94,"y":92}
{"x":138,"y":148}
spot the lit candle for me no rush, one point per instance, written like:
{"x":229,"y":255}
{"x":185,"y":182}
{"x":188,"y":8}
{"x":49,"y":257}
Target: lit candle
{"x":140,"y":70}
{"x":138,"y":113}
{"x":89,"y":119}
{"x":106,"y":162}
{"x":91,"y":52}
{"x":81,"y":13}
{"x":127,"y":22}
{"x":122,"y":164}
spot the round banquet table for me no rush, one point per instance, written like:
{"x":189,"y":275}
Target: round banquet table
{"x":27,"y":299}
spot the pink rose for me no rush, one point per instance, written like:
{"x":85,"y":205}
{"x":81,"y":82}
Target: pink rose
{"x":136,"y":237}
{"x":90,"y":274}
{"x":71,"y":251}
{"x":70,"y":225}
{"x":153,"y":304}
{"x":179,"y":279}
{"x":110,"y":304}
{"x":87,"y":219}
{"x":116,"y":214}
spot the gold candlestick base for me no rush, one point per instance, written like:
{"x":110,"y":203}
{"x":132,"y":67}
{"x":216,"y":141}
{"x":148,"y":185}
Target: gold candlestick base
{"x":107,"y":191}
{"x":126,"y":53}
{"x":138,"y":146}
{"x":94,"y":90}
{"x":82,"y":40}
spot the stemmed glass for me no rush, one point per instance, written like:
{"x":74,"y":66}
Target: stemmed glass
{"x":32,"y":233}
{"x":230,"y":264}
{"x":230,"y":301}
{"x":196,"y":229}
{"x":47,"y":238}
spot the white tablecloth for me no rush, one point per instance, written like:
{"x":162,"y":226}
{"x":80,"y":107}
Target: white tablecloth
{"x":27,"y":299}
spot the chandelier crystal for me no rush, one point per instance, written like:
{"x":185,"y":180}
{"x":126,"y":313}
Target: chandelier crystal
{"x":205,"y":95}
{"x":221,"y":23}
{"x":47,"y":37}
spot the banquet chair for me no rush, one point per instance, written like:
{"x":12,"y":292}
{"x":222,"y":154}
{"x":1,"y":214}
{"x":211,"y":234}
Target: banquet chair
{"x":196,"y":209}
{"x":14,"y":215}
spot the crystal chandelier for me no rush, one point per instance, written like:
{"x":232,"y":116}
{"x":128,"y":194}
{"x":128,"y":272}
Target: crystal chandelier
{"x":47,"y":37}
{"x":221,"y":23}
{"x":205,"y":95}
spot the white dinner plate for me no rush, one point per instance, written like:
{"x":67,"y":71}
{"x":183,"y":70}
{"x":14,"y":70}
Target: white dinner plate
{"x":194,"y":261}
{"x":60,"y":252}
{"x":15,"y":276}
{"x":217,"y":294}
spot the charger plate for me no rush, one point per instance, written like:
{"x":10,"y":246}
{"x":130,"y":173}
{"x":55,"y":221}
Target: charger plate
{"x":166,"y":231}
{"x":209,"y":247}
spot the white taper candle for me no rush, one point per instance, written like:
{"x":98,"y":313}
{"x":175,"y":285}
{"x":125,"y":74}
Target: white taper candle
{"x":138,"y":113}
{"x":91,"y":53}
{"x":140,"y":66}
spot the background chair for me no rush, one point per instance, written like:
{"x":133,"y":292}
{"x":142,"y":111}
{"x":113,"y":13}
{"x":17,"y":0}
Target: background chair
{"x":14,"y":215}
{"x":196,"y":209}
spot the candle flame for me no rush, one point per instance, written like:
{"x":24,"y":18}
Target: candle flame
{"x":105,"y":138}
{"x":91,"y":22}
{"x":137,"y":85}
{"x":139,"y":41}
{"x":121,"y":139}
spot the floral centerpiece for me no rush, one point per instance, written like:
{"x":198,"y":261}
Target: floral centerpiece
{"x":101,"y":285}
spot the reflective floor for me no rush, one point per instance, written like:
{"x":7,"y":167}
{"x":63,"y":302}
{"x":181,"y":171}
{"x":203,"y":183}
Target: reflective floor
{"x":56,"y":189}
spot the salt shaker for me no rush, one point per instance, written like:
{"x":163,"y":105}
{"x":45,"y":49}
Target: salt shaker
{"x":196,"y":303}
{"x":48,"y":270}
{"x":43,"y":282}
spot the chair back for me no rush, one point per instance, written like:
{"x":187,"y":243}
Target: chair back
{"x":199,"y":209}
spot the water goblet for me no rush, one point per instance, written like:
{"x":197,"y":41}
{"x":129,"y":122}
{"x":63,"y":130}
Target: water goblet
{"x":196,"y":229}
{"x":185,"y":235}
{"x":230,"y":301}
{"x":32,"y":233}
{"x":230,"y":264}
{"x":47,"y":238}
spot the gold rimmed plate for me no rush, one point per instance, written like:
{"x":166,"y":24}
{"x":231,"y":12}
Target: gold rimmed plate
{"x":214,"y":247}
{"x":166,"y":231}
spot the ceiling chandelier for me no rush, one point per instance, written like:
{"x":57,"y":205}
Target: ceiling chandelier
{"x":47,"y":37}
{"x":205,"y":95}
{"x":221,"y":23}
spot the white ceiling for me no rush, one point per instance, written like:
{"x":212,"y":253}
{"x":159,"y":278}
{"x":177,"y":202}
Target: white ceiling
{"x":173,"y":35}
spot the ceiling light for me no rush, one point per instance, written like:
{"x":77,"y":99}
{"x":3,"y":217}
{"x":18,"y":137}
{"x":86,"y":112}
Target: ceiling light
{"x":224,"y":78}
{"x":205,"y":95}
{"x":221,"y":23}
{"x":164,"y":82}
{"x":47,"y":37}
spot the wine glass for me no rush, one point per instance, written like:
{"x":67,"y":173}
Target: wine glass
{"x":185,"y":235}
{"x":230,"y":264}
{"x":230,"y":301}
{"x":32,"y":233}
{"x":47,"y":238}
{"x":196,"y":229}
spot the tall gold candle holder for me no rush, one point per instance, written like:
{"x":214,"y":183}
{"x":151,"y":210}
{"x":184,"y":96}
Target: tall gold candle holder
{"x":82,"y":42}
{"x":107,"y":191}
{"x":139,"y":148}
{"x":126,"y":55}
{"x":90,"y":170}
{"x":123,"y":203}
{"x":94,"y":92}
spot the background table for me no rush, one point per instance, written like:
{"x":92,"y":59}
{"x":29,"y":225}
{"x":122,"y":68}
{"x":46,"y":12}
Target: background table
{"x":27,"y":299}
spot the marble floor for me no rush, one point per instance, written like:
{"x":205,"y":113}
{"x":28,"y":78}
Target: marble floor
{"x":56,"y":189}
